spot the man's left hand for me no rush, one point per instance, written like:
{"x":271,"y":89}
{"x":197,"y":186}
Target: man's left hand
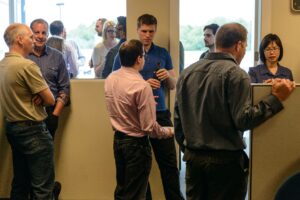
{"x":162,"y":74}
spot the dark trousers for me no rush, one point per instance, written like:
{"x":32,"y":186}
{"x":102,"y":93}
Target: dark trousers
{"x":33,"y":162}
{"x":166,"y":158}
{"x":216,"y":175}
{"x":133,"y":163}
{"x":51,"y":121}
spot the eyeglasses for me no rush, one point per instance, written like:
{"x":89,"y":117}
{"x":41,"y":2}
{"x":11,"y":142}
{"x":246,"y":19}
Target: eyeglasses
{"x":269,"y":50}
{"x":110,"y":31}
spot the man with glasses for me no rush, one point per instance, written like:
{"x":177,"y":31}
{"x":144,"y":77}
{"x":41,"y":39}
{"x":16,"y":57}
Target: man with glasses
{"x":213,"y":107}
{"x":131,"y":107}
{"x":158,"y":72}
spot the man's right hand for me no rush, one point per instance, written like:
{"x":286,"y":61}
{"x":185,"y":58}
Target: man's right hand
{"x":169,"y":132}
{"x":282,"y":88}
{"x":155,"y":84}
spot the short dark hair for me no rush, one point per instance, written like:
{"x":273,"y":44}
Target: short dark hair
{"x":265,"y":42}
{"x":229,"y":34}
{"x":56,"y":27}
{"x":213,"y":27}
{"x":39,"y":21}
{"x":130,"y":51}
{"x":122,"y":22}
{"x":146,"y":19}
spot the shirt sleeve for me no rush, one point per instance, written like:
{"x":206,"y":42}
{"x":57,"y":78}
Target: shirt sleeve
{"x":169,"y":64}
{"x":147,"y":113}
{"x":117,"y":63}
{"x":34,"y":79}
{"x":179,"y":134}
{"x":63,"y":82}
{"x":244,"y":114}
{"x":252,"y":75}
{"x":109,"y":61}
{"x":72,"y":60}
{"x":291,"y":75}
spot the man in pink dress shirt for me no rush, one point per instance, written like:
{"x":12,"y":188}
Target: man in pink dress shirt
{"x":131,"y":107}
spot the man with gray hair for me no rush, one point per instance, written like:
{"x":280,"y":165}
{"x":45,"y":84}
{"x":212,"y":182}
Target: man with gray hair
{"x":54,"y":70}
{"x":213,"y":107}
{"x":23,"y":95}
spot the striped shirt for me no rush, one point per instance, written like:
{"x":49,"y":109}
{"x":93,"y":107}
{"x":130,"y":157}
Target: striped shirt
{"x":54,"y":70}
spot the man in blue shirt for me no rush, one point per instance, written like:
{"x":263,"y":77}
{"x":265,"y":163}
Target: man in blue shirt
{"x":158,"y":72}
{"x":54,"y":70}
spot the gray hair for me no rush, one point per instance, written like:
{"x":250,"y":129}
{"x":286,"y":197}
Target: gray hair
{"x":12,"y":31}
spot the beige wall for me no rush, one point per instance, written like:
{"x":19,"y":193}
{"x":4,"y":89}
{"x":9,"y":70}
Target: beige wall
{"x":83,"y":149}
{"x":84,"y":156}
{"x":274,"y":147}
{"x":278,"y":18}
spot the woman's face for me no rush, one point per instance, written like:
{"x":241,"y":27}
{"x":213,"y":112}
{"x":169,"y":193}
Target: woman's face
{"x":272,"y":52}
{"x":111,"y":33}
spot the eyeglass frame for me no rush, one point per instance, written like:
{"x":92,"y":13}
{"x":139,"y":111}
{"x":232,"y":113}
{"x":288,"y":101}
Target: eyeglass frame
{"x":269,"y":50}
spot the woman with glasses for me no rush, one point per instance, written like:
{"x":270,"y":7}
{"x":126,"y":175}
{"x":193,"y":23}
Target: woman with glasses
{"x":101,"y":49}
{"x":270,"y":53}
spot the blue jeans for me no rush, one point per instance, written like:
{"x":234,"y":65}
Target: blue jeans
{"x":33,"y":160}
{"x":133,"y":163}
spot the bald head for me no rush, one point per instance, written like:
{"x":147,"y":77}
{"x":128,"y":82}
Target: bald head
{"x":13,"y":31}
{"x":19,"y":39}
{"x":232,"y":38}
{"x":229,"y":34}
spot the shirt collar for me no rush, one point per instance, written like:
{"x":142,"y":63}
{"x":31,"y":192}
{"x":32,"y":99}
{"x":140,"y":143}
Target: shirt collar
{"x":265,"y":70}
{"x":220,"y":56}
{"x":151,"y":47}
{"x":45,"y":52}
{"x":13,"y":54}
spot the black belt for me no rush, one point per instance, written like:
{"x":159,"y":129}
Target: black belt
{"x":25,"y":123}
{"x":122,"y":135}
{"x":217,"y":153}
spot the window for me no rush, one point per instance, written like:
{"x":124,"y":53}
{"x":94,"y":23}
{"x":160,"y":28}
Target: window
{"x":219,"y":12}
{"x":4,"y":8}
{"x":79,"y":18}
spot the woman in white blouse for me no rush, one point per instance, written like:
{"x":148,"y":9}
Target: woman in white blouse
{"x":102,"y":48}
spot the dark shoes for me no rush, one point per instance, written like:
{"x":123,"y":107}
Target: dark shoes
{"x":56,"y":190}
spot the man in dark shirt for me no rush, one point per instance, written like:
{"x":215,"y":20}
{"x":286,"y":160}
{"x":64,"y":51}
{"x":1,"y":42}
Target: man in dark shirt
{"x":212,"y":109}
